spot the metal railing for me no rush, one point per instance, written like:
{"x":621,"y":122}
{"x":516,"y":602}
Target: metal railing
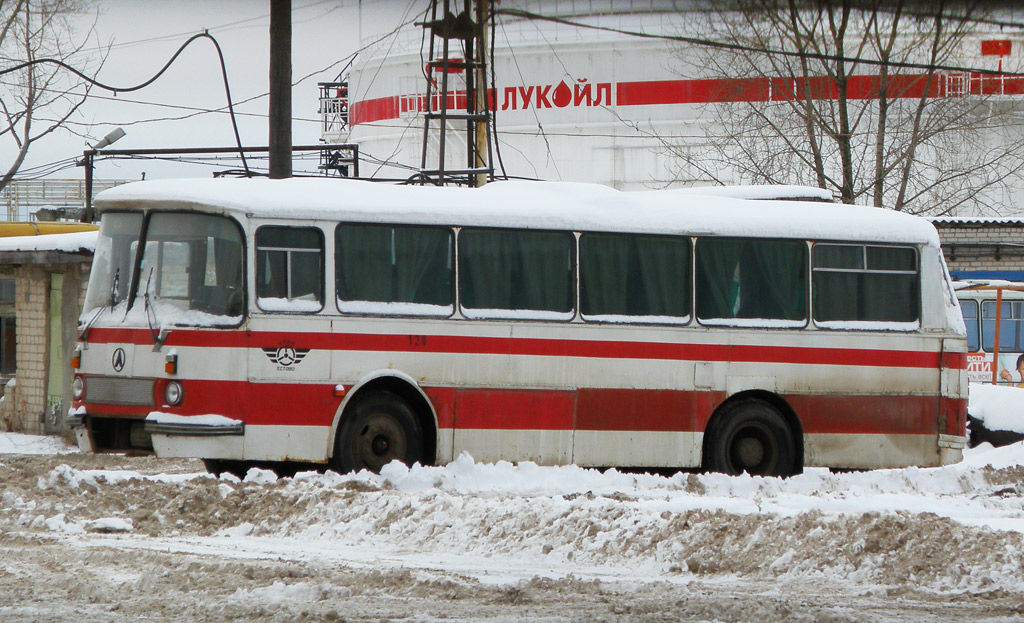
{"x":22,"y":199}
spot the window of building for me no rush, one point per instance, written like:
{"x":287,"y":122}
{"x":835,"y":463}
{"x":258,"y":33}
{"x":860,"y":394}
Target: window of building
{"x":516,"y":273}
{"x":646,"y":278}
{"x":395,"y":269}
{"x":289,"y":269}
{"x":747,"y":279}
{"x":8,"y":330}
{"x":854,"y":282}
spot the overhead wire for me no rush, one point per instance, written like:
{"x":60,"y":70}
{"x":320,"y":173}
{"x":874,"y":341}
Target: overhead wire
{"x":154,"y":78}
{"x":739,"y":47}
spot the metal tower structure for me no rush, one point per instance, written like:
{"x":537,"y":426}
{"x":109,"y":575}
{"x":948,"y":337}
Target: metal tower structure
{"x":444,"y":105}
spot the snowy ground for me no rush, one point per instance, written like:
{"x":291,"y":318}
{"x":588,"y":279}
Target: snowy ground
{"x":116,"y":538}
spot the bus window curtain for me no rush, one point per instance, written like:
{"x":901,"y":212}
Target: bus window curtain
{"x":544,"y":275}
{"x":717,"y":279}
{"x":363,"y":263}
{"x":423,"y":271}
{"x":664,"y":270}
{"x":604,"y":274}
{"x":515,"y":270}
{"x":484,"y":270}
{"x":772,"y":283}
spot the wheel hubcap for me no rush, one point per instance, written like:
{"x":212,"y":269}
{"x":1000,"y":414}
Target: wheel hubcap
{"x":753,"y":450}
{"x":380,"y":441}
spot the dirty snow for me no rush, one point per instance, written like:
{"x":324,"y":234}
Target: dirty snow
{"x":118,"y":538}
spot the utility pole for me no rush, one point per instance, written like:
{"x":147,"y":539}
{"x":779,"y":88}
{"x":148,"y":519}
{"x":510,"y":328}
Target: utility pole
{"x":280,"y":140}
{"x":482,"y":143}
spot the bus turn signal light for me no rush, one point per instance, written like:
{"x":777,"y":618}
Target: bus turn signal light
{"x":171,"y":364}
{"x":76,"y":358}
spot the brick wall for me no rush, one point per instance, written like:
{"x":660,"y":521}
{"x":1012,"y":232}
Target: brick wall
{"x":31,"y":301}
{"x":25,"y":409}
{"x":989,"y":257}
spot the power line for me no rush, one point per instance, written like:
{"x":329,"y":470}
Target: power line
{"x":739,"y":47}
{"x":93,"y":81}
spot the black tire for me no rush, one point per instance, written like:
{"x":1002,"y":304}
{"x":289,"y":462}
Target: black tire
{"x":377,"y":429}
{"x":221,"y":466}
{"x":752,"y":437}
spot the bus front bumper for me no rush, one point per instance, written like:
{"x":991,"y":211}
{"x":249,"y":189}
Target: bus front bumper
{"x":196,"y":436}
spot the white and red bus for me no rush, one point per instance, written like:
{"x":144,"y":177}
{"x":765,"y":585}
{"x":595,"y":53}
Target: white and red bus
{"x":351,"y":324}
{"x":995,"y":342}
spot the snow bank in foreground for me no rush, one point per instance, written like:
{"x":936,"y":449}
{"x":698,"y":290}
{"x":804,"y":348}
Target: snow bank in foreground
{"x":998,"y":407}
{"x":16,"y":443}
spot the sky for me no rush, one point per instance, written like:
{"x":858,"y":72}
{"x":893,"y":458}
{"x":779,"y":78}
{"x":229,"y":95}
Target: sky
{"x":140,"y":37}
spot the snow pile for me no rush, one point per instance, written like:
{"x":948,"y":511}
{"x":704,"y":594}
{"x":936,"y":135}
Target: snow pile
{"x":997,"y":407}
{"x":16,"y":443}
{"x":952,"y":530}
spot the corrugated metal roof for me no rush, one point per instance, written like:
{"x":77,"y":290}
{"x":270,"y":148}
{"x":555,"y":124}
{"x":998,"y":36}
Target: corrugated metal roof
{"x":977,"y":220}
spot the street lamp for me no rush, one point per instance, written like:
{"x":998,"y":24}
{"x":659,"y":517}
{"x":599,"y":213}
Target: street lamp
{"x":112,"y":137}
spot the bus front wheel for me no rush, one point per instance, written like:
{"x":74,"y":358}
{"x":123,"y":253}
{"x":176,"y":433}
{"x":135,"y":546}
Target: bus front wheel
{"x":380,"y":429}
{"x":752,"y":437}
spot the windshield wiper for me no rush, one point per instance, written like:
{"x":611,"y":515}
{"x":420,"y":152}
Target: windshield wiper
{"x":160,"y":335}
{"x":84,"y":334}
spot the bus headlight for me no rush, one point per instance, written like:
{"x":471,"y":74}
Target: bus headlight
{"x":174,"y":393}
{"x":78,"y":388}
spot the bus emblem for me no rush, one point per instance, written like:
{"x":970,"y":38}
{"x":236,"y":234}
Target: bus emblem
{"x":118,"y":359}
{"x":286,"y":356}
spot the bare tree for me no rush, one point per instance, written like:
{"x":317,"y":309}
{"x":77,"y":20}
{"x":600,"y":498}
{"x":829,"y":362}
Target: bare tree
{"x":859,"y":98}
{"x":40,"y":97}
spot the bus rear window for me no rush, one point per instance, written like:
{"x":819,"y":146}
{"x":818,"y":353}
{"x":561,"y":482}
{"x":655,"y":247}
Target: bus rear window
{"x":863,"y":283}
{"x":405,"y":270}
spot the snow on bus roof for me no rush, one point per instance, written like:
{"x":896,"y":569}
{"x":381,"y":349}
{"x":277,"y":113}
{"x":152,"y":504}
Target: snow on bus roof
{"x":534,"y":205}
{"x":767,"y":192}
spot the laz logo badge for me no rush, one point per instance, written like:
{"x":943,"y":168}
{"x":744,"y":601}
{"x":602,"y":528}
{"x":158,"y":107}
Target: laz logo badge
{"x":286,"y":356}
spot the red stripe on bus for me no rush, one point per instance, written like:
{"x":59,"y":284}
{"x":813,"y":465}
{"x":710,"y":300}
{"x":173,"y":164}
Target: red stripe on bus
{"x":956,"y":415}
{"x":955,"y":361}
{"x":610,"y":410}
{"x":867,"y":414}
{"x":510,"y":409}
{"x":595,"y":349}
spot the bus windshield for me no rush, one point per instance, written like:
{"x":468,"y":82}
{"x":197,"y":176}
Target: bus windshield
{"x":111,"y":273}
{"x":191,"y":272}
{"x":192,"y":262}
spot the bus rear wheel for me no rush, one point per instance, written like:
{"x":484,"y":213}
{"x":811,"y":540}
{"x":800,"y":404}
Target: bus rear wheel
{"x":752,"y":437}
{"x":380,"y":429}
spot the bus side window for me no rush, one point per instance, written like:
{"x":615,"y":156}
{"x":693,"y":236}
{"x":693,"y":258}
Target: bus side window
{"x":504,"y":272}
{"x":634,"y":275}
{"x":402,"y":269}
{"x":970,"y":312}
{"x":856,"y":282}
{"x":746,"y":278}
{"x":1011,"y":326}
{"x":289,"y":269}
